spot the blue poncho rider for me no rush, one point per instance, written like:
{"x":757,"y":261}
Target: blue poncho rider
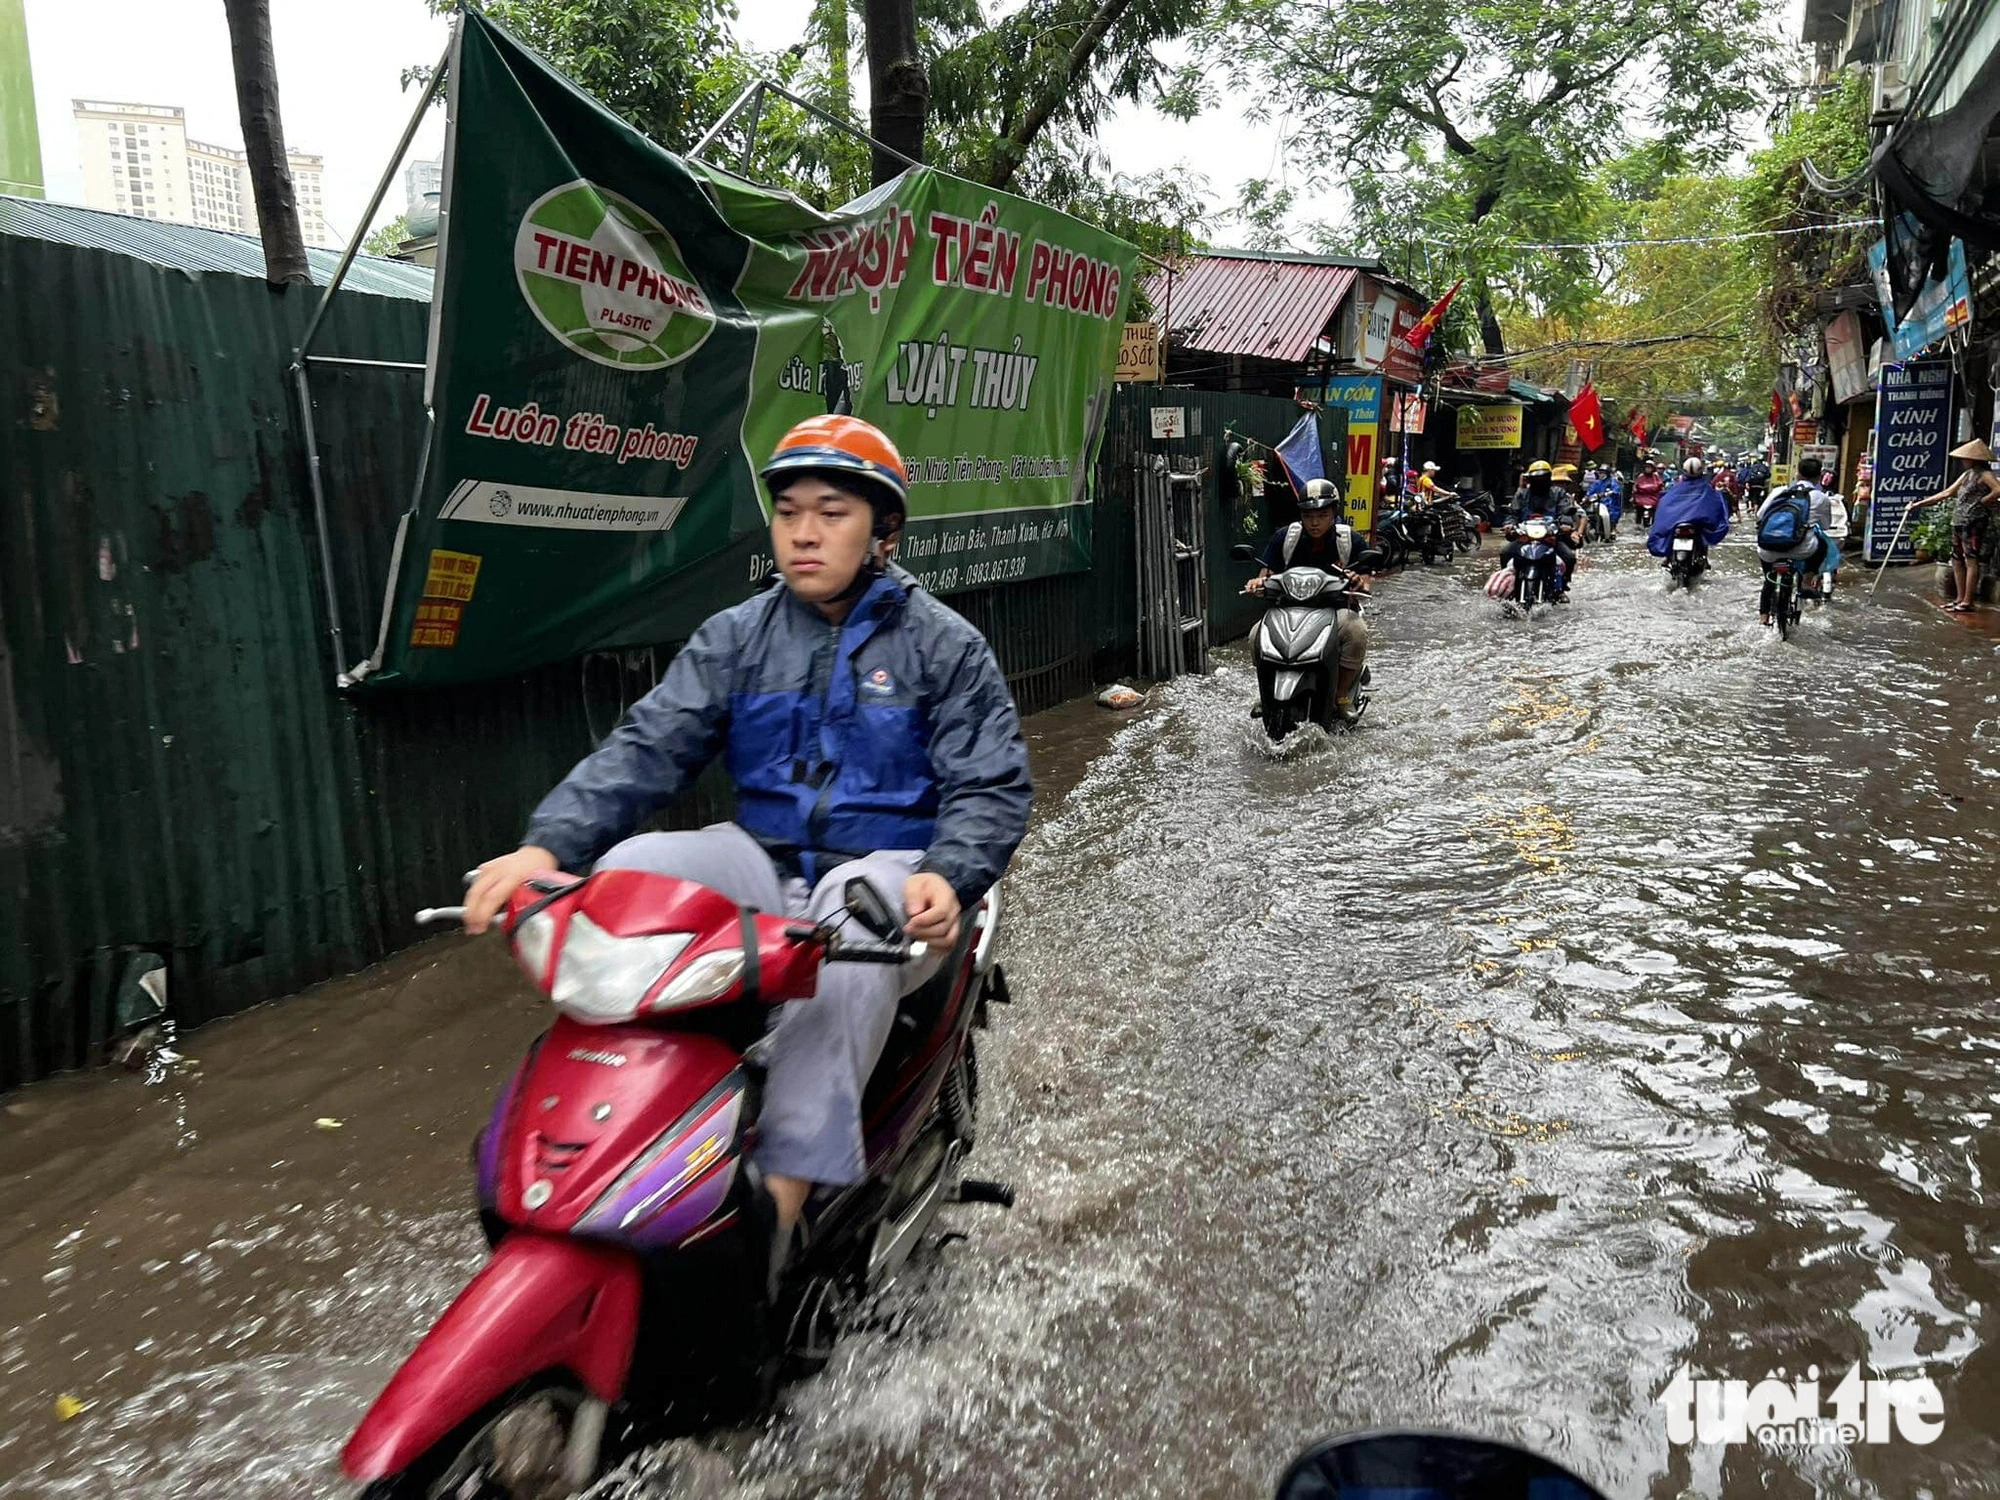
{"x":1692,"y":500}
{"x":869,"y":733}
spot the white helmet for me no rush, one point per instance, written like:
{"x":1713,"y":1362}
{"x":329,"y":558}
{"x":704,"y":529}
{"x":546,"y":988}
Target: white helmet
{"x":1321,"y":494}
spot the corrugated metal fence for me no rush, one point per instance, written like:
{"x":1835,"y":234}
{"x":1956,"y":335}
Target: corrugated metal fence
{"x":179,"y":782}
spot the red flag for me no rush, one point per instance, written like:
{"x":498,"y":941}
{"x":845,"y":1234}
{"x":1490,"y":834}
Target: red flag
{"x":1586,"y":415}
{"x":1420,"y":336}
{"x":1635,"y":423}
{"x":1777,"y":412}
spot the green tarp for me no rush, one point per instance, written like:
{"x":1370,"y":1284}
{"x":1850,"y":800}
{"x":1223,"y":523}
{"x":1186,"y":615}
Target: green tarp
{"x":620,"y":337}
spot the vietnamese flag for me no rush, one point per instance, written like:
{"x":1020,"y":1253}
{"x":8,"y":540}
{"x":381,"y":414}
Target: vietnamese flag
{"x":1635,"y":423}
{"x":1777,"y":412}
{"x":1418,"y":337}
{"x":1586,"y":415}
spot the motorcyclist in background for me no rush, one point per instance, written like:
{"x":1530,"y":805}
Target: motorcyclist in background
{"x":1646,"y":491}
{"x":1319,"y":539}
{"x":1604,"y":490}
{"x":870,"y":735}
{"x":1540,"y":495}
{"x":1693,"y":501}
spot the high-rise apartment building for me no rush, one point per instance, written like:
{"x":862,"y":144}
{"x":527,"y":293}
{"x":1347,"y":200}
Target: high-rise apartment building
{"x":420,"y":179}
{"x":137,"y":159}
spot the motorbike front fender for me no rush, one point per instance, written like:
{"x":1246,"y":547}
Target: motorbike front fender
{"x":1285,"y":684}
{"x":543,"y":1302}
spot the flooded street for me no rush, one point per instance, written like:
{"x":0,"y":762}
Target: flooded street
{"x":1620,"y":998}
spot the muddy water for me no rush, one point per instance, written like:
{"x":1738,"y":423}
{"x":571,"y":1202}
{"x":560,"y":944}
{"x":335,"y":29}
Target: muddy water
{"x":1620,"y":999}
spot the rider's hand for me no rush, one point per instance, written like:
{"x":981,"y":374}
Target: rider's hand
{"x":933,"y":910}
{"x":1254,"y":586}
{"x":497,"y":880}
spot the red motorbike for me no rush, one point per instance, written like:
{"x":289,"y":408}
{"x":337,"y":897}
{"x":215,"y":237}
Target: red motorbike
{"x":630,"y":1293}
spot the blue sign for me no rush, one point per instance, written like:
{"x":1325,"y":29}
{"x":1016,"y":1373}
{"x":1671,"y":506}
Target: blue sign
{"x":1912,"y":437}
{"x":1940,"y":307}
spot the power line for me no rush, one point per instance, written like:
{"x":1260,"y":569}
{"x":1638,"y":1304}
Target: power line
{"x":1691,"y":239}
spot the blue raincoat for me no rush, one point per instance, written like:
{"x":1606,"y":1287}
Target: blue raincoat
{"x":1613,"y":497}
{"x":1694,"y":502}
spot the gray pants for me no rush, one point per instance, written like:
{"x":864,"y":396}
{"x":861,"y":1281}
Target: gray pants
{"x":821,"y":1050}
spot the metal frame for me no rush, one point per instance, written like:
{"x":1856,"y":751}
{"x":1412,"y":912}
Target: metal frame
{"x":303,"y":359}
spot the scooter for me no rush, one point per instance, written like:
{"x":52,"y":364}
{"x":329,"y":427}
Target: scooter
{"x":631,"y":1292}
{"x":1535,"y":576}
{"x":1296,"y":651}
{"x":1597,"y":521}
{"x":1687,"y":558}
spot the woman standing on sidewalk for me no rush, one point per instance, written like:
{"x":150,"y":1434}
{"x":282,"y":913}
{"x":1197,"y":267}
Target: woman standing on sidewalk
{"x":1972,"y":499}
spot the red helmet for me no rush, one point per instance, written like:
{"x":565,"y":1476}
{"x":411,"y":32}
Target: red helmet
{"x":846,"y":449}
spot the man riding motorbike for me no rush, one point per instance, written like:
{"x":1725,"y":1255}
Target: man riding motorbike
{"x":869,"y":733}
{"x":1604,"y":490}
{"x":1318,"y":539}
{"x":1693,"y":501}
{"x":1806,"y":545}
{"x":1540,"y":495}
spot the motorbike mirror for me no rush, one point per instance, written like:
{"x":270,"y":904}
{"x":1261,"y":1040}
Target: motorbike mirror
{"x":866,"y":906}
{"x":1435,"y":1465}
{"x":1243,"y":552}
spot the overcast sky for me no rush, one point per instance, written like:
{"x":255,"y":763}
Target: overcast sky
{"x":339,"y":70}
{"x":338,"y":78}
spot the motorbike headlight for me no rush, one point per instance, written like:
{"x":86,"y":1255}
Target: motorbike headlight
{"x":601,"y":977}
{"x":1301,"y":585}
{"x":531,"y":939}
{"x":703,"y":980}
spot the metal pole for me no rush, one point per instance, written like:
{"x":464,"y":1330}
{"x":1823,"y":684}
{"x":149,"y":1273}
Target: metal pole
{"x":381,"y":190}
{"x":340,"y":676}
{"x":708,"y":139}
{"x":370,"y":364}
{"x":750,"y":130}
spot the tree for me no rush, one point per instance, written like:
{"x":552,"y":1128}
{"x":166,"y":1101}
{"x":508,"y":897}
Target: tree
{"x":389,"y":237}
{"x":658,"y":64}
{"x":256,"y":69}
{"x":1479,"y":124}
{"x":899,"y":92}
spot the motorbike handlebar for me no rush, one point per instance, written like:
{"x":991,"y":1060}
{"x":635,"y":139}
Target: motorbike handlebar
{"x":874,"y":953}
{"x":431,"y":914}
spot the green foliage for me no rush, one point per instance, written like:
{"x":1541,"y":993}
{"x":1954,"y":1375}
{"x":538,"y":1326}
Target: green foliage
{"x":1832,"y":133}
{"x":385,"y":240}
{"x":659,"y":64}
{"x":1932,"y":531}
{"x":1468,"y":126}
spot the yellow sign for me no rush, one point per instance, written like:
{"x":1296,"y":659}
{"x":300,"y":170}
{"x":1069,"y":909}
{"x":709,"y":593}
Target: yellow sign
{"x":1489,"y":426}
{"x":451,"y":575}
{"x":1781,"y":475}
{"x":1139,"y":354}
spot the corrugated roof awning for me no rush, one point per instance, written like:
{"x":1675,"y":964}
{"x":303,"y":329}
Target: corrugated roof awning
{"x":185,"y":247}
{"x":1255,"y":305}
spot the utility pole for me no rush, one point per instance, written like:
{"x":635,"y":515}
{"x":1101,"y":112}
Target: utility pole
{"x":899,"y":93}
{"x":256,"y":67}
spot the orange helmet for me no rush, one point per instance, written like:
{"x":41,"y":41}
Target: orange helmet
{"x":843,"y":448}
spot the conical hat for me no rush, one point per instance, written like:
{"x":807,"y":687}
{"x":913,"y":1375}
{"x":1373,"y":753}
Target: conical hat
{"x":1974,"y":450}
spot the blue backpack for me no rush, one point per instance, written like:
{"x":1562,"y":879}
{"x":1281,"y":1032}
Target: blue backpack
{"x":1785,"y":526}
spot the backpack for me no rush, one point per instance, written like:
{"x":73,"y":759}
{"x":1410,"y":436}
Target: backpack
{"x":1343,"y":541}
{"x":1786,"y":524}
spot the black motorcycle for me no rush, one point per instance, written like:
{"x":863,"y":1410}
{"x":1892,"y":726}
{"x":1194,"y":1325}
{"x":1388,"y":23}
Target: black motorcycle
{"x":1782,"y":593}
{"x":1537,"y":566}
{"x":1408,"y":531}
{"x":1687,"y":558}
{"x":1296,"y":647}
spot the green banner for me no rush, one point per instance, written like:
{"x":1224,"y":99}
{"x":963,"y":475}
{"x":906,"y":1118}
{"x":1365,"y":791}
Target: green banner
{"x":619,"y":337}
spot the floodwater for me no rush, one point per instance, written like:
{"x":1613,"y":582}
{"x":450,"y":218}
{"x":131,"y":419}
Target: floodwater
{"x":1620,"y":999}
